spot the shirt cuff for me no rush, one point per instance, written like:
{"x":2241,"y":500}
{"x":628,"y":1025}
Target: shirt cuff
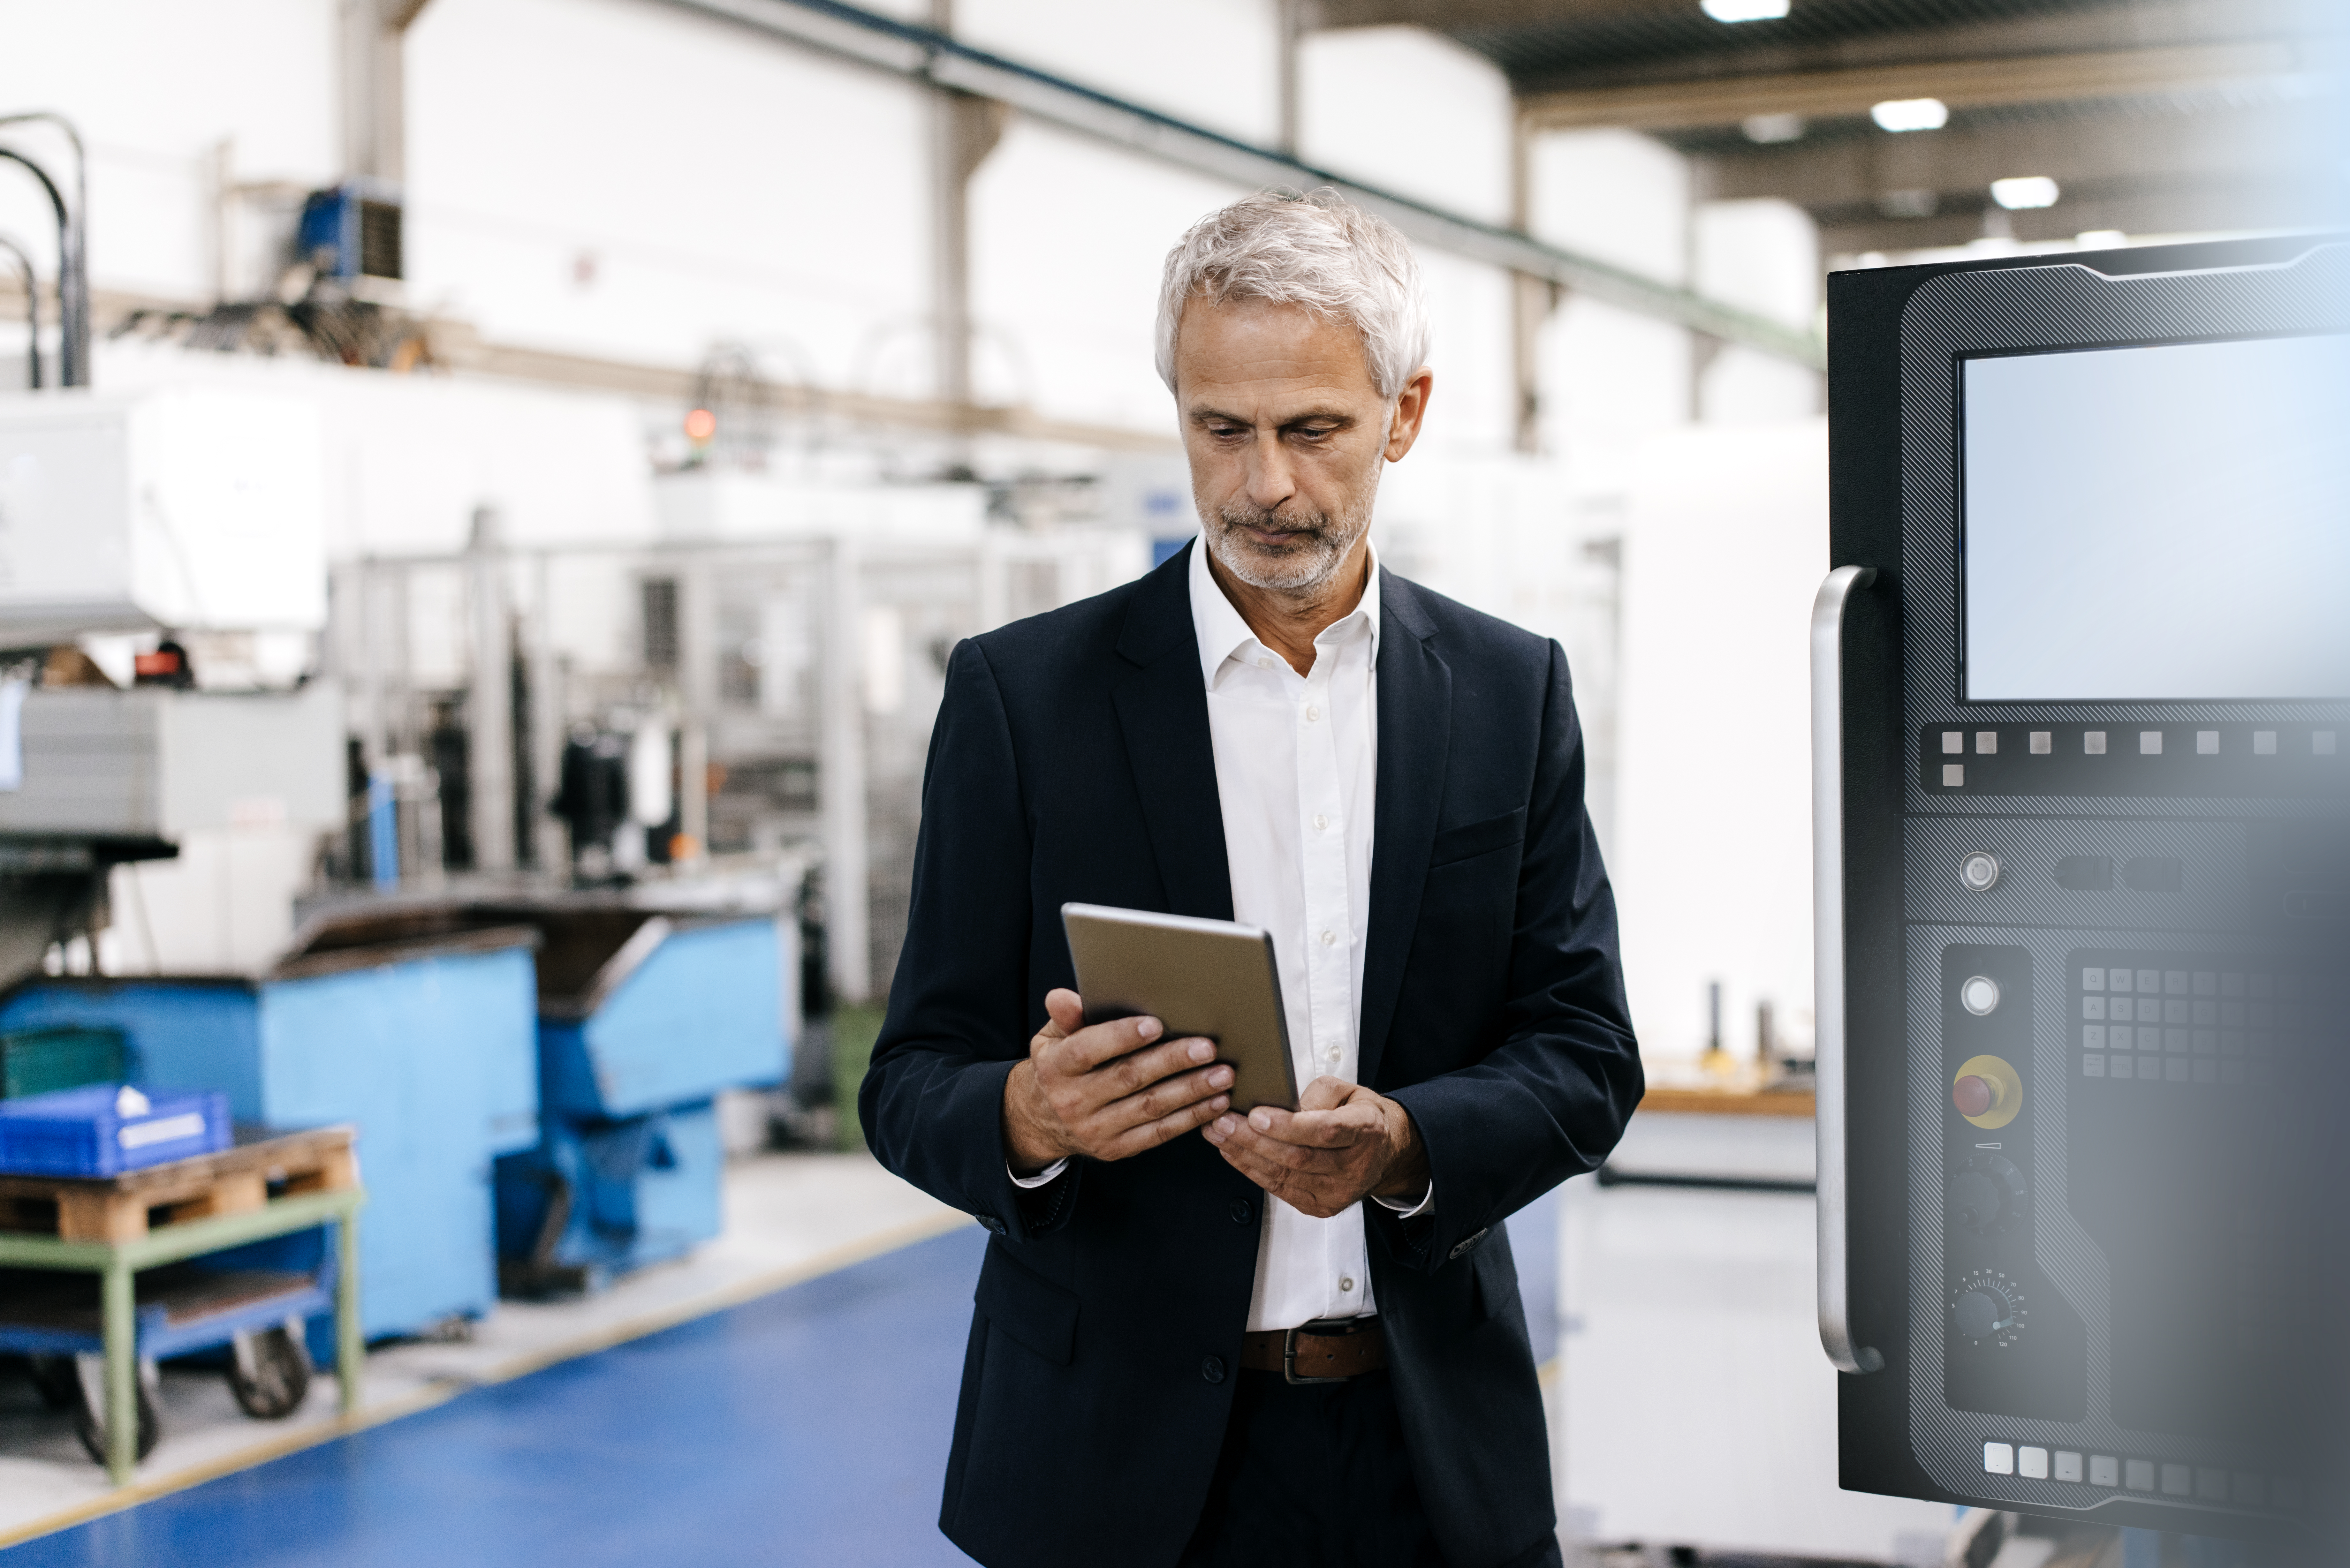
{"x":1401,"y":1207}
{"x":1043,"y":1178}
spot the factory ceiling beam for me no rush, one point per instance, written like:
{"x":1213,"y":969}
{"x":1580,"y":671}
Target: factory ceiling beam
{"x":1961,"y":84}
{"x":922,"y":55}
{"x":2259,"y":143}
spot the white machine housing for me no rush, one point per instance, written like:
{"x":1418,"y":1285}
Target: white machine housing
{"x":155,"y":763}
{"x":191,"y":508}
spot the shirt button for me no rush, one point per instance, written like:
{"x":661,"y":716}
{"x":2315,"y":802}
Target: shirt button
{"x":1329,"y":939}
{"x":1346,"y":1281}
{"x":1264,"y":664}
{"x":1211,"y":1370}
{"x":1312,"y":712}
{"x":1241,"y":1212}
{"x":1320,"y":822}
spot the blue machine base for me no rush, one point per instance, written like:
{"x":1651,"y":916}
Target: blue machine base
{"x":595,"y":1200}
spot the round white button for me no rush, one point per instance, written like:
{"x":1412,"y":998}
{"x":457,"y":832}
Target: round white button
{"x":1980,"y":871}
{"x":1264,"y":663}
{"x":1320,"y":822}
{"x":1978,"y":994}
{"x":1312,"y":712}
{"x":1329,"y":939}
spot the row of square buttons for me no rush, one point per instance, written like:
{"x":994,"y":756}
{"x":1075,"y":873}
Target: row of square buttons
{"x":2203,"y":1483}
{"x":2204,"y":1015}
{"x":2180,"y":1041}
{"x":2178,"y":1070}
{"x":2149,"y":743}
{"x":2181,"y":981}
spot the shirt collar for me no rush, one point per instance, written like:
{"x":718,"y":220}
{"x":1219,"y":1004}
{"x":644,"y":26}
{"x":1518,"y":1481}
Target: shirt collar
{"x":1222,"y":632}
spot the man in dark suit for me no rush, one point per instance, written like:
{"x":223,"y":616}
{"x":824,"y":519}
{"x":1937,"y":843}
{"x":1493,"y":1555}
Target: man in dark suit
{"x":1292,"y":1337}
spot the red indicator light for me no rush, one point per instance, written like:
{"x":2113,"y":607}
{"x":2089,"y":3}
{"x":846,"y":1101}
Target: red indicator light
{"x":701,"y":425}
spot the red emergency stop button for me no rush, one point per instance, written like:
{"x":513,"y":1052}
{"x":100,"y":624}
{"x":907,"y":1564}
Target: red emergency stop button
{"x":1974,"y":1095}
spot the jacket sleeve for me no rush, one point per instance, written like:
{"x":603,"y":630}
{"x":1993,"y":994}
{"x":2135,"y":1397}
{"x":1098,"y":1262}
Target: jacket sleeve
{"x":1551,"y":1098}
{"x":931,"y":1102}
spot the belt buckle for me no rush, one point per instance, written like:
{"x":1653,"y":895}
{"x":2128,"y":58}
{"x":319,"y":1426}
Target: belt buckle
{"x":1289,"y":1349}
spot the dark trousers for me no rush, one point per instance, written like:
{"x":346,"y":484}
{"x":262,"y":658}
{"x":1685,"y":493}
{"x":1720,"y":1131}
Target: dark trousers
{"x":1315,"y":1476}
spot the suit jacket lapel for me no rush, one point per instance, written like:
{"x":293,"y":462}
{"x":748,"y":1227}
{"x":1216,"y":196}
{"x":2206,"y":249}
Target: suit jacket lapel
{"x":1163,"y":712}
{"x":1415,"y":741}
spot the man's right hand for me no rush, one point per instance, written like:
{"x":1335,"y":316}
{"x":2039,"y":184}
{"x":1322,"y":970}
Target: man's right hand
{"x":1104,"y":1090}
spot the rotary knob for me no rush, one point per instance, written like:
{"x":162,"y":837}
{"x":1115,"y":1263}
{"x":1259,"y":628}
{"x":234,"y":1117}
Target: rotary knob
{"x":1988,"y":1195}
{"x":1989,"y":1308}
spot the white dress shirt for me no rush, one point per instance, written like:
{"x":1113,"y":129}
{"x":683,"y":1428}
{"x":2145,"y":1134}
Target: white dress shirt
{"x":1296,"y":776}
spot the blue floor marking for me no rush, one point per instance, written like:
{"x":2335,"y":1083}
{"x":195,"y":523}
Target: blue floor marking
{"x":806,"y":1426}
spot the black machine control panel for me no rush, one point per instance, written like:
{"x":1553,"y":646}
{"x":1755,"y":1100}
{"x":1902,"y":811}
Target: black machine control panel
{"x":2013,"y":1347}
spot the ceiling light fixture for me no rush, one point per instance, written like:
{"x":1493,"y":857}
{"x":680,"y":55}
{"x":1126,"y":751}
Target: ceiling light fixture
{"x":1911,"y":114}
{"x":2101,"y":239}
{"x":1769,"y":130}
{"x":2024,"y":191}
{"x":1744,"y":10}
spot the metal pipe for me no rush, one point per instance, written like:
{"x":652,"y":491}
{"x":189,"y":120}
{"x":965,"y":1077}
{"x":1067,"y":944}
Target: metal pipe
{"x":923,"y":54}
{"x":31,"y":309}
{"x":73,"y":253}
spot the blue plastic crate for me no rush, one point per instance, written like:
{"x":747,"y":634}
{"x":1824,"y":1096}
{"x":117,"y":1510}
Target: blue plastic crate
{"x":105,"y":1129}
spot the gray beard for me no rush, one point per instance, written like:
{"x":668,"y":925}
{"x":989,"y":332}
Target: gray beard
{"x":1311,"y":554}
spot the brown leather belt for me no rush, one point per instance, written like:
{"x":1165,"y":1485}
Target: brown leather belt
{"x":1329,"y":1350}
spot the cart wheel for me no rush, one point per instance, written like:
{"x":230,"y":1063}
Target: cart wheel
{"x":269,"y":1371}
{"x":54,"y":1376}
{"x":90,"y":1394}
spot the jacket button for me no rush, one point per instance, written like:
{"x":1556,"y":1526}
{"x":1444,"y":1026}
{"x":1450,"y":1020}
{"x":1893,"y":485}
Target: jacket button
{"x":1241,"y":1212}
{"x":1212,"y":1369}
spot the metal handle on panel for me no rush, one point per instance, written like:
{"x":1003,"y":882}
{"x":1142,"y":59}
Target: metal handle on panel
{"x":1827,"y":959}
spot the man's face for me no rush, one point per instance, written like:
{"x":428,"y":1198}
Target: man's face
{"x":1286,"y":433}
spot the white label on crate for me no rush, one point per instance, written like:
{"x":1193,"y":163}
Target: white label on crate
{"x":162,"y":1129}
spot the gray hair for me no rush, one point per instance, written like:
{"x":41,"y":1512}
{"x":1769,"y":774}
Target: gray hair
{"x":1319,"y":250}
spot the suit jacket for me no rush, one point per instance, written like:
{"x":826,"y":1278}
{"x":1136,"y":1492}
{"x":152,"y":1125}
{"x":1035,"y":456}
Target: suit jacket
{"x":1071,"y":761}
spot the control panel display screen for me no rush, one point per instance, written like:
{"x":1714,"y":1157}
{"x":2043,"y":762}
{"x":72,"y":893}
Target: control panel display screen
{"x":2161,"y":523}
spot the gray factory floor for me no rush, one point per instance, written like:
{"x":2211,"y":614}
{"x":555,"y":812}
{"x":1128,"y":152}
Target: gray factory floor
{"x":788,"y":1217}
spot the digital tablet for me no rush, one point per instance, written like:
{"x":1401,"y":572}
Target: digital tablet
{"x":1208,"y":978}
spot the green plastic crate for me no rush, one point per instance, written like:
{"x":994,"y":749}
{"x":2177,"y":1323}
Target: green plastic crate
{"x":41,"y":1060}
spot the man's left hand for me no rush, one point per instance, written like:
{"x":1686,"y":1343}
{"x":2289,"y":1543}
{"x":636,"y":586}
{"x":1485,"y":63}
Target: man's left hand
{"x":1342,"y":1144}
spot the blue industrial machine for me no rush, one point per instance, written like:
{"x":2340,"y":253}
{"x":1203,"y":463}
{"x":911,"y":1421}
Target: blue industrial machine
{"x":352,"y":230}
{"x":643,"y":1019}
{"x":423,"y":1037}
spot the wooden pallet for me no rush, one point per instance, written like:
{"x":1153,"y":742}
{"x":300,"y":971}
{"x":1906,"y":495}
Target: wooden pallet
{"x":127,"y":1206}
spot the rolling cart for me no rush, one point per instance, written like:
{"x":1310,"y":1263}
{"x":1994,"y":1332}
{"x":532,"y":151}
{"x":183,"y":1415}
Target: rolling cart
{"x":146,"y":1234}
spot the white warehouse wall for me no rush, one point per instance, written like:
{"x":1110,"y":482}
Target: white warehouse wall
{"x":1610,"y":379}
{"x":655,"y":180}
{"x":1215,"y":63}
{"x":155,"y":88}
{"x":1763,"y":256}
{"x":1725,"y":543}
{"x":1410,"y":112}
{"x":1068,"y":236}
